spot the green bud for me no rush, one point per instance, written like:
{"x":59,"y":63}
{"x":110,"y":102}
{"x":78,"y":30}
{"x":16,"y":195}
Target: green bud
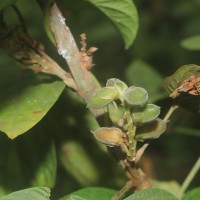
{"x":136,"y":96}
{"x":151,"y":130}
{"x":109,"y":136}
{"x":102,"y":97}
{"x":116,"y":113}
{"x":119,"y":85}
{"x":145,"y":114}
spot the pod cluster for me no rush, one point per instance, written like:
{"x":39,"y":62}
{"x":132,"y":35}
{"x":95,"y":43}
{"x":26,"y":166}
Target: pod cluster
{"x":143,"y":115}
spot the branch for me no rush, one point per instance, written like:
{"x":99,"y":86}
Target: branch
{"x":30,"y":54}
{"x":87,"y":85}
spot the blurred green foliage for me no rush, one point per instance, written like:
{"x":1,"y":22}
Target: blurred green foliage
{"x":157,"y":48}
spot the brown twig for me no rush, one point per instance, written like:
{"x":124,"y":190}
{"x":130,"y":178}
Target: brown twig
{"x":30,"y":54}
{"x":129,"y":184}
{"x":138,"y":180}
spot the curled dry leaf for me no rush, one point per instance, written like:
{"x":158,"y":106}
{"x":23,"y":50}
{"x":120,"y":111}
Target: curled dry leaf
{"x":184,"y":85}
{"x":191,"y":85}
{"x":185,"y":80}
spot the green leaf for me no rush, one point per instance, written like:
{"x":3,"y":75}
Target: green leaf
{"x":12,"y":178}
{"x":152,"y":194}
{"x":6,"y":3}
{"x":192,"y":194}
{"x":191,"y":43}
{"x":46,"y":172}
{"x":170,"y":186}
{"x":25,"y":99}
{"x":143,"y":75}
{"x":91,"y":193}
{"x":77,"y":162}
{"x":35,"y":193}
{"x":33,"y":157}
{"x":124,"y":16}
{"x":102,"y":97}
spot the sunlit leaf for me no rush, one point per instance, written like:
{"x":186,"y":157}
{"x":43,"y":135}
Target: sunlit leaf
{"x":191,"y":43}
{"x":92,"y":193}
{"x":124,"y":16}
{"x":152,"y":194}
{"x":39,"y":193}
{"x":25,"y":99}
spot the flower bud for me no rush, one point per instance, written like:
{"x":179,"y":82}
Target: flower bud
{"x":119,"y":85}
{"x":136,"y":96}
{"x":102,"y":97}
{"x":145,"y":114}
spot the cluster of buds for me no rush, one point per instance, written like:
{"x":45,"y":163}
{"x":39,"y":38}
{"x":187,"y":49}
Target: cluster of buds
{"x":140,"y":119}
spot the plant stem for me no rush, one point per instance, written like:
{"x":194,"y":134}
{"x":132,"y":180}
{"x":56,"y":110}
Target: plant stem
{"x":123,"y":191}
{"x":189,"y":178}
{"x":86,"y":83}
{"x":131,"y":133}
{"x":169,"y":113}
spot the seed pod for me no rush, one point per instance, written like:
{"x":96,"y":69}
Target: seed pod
{"x":136,"y":96}
{"x":102,"y":97}
{"x":145,"y":114}
{"x":109,"y":136}
{"x":119,"y":85}
{"x":151,"y":130}
{"x":115,"y":113}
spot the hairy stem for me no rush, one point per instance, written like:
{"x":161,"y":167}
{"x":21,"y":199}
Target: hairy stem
{"x":131,"y":133}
